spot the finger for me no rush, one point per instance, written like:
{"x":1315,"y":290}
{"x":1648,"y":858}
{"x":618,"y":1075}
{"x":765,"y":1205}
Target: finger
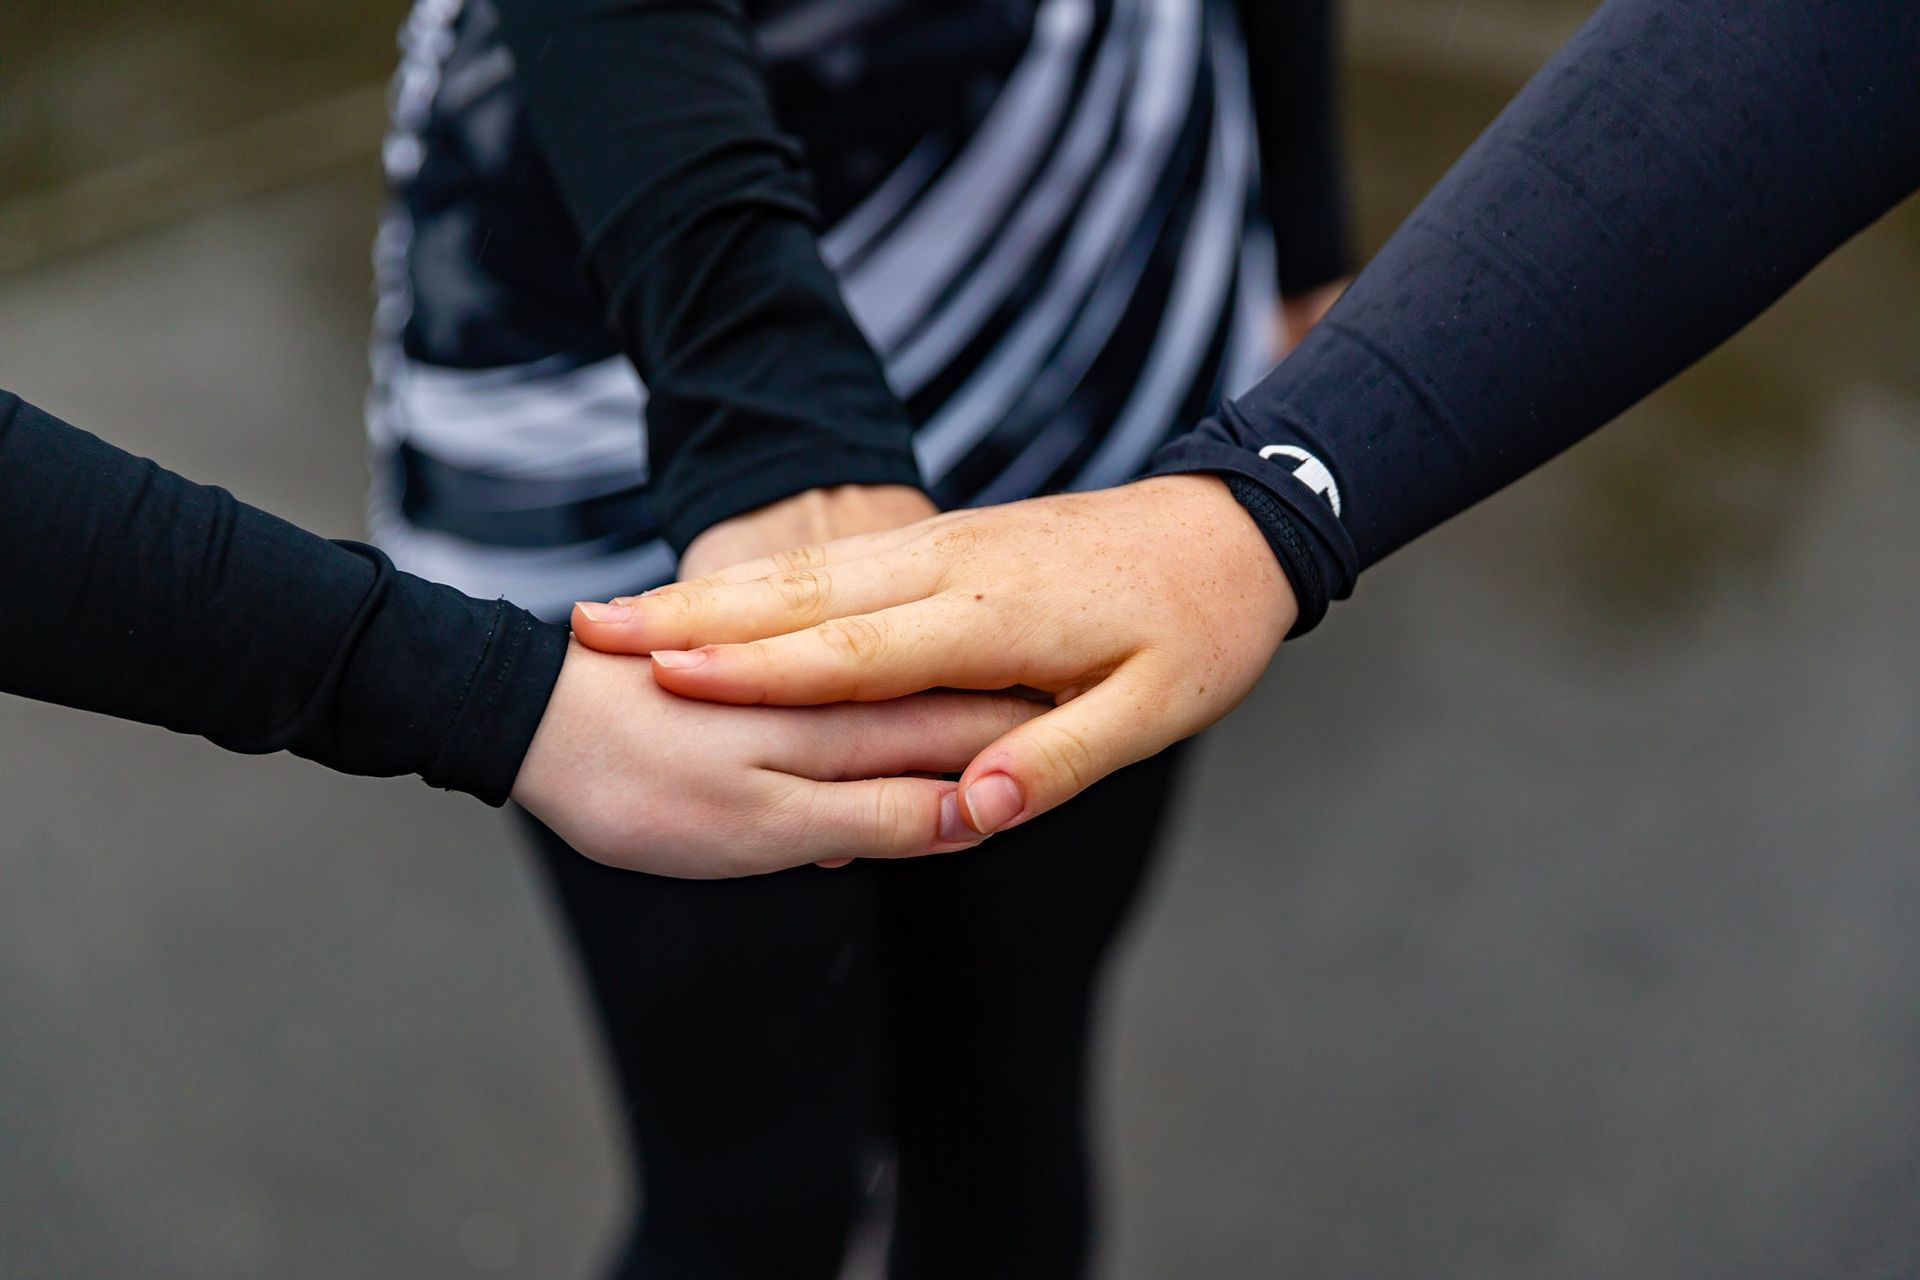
{"x":929,"y":733}
{"x":726,"y":613}
{"x":816,"y":555}
{"x":877,"y":818}
{"x":1054,"y":757}
{"x":952,"y":640}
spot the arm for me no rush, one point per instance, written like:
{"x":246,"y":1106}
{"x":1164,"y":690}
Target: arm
{"x":128,"y":590}
{"x":1668,"y":174}
{"x":699,"y":229}
{"x":1672,"y":171}
{"x":131,"y":591}
{"x":1292,"y":65}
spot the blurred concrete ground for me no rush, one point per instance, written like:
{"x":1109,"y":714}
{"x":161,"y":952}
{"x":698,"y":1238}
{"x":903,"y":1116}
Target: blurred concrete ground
{"x":1550,"y":913}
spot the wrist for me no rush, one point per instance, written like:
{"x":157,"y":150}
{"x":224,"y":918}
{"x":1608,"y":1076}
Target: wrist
{"x":551,"y":747}
{"x":815,"y":515}
{"x":1290,"y":548}
{"x":759,"y":477}
{"x":1298,"y":515}
{"x":1238,"y":543}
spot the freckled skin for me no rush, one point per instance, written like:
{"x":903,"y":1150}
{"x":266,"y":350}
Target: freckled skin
{"x":1137,"y":657}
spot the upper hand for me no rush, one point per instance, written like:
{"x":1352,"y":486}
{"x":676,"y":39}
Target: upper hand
{"x":1148,"y":611}
{"x":632,"y":776}
{"x":816,"y":515}
{"x":812,"y":515}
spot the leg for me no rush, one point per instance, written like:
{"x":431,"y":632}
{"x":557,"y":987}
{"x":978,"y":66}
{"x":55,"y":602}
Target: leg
{"x":996,"y":956}
{"x":741,"y":1020}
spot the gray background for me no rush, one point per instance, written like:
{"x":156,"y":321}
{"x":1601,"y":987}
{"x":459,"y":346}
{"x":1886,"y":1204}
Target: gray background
{"x":1550,"y":913}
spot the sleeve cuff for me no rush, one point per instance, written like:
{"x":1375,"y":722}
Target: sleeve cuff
{"x":1300,"y":526}
{"x":506,"y":698}
{"x":440,"y":684}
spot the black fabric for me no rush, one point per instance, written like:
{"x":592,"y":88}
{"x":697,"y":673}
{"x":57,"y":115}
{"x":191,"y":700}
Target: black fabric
{"x":1672,"y":171}
{"x":698,"y":224}
{"x":767,"y":1032}
{"x":127,"y":590}
{"x":1292,"y":548}
{"x":1293,"y":70}
{"x":483,"y":507}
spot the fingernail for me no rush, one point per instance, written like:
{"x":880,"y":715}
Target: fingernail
{"x":993,"y":802}
{"x":614,"y":612}
{"x":679,"y":659}
{"x":954,"y":828}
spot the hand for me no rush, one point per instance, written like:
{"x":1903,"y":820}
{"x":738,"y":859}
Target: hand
{"x":1299,"y":312}
{"x":634,"y":777}
{"x":1148,"y":611}
{"x":810,"y":516}
{"x":817,"y":515}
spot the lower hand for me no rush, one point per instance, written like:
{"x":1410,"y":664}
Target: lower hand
{"x":634,"y":777}
{"x":1148,"y":611}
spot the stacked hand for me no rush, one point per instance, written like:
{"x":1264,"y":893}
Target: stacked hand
{"x":1147,"y":612}
{"x":817,"y":515}
{"x":635,"y":777}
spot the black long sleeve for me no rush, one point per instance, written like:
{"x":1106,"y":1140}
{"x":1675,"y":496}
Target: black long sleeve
{"x":128,"y":590}
{"x":1667,"y":176}
{"x":1293,"y":69}
{"x":698,"y":222}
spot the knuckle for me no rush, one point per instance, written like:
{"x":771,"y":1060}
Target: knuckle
{"x":1065,"y":755}
{"x":896,"y":818}
{"x":960,"y":540}
{"x":757,"y":658}
{"x":811,"y":556}
{"x":707,"y":581}
{"x":791,"y":817}
{"x":803,"y":591}
{"x":855,"y":639}
{"x":677,"y":605}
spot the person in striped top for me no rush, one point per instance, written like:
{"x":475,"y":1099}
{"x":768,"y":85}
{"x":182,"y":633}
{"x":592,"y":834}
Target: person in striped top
{"x":1053,"y":227}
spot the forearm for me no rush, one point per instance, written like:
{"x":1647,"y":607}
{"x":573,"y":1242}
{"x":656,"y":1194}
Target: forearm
{"x":698,"y":221}
{"x":1293,"y":67}
{"x":128,"y":590}
{"x":1672,"y":171}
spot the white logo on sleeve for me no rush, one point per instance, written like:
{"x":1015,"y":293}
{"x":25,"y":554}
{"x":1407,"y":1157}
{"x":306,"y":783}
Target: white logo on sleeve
{"x":1311,"y":472}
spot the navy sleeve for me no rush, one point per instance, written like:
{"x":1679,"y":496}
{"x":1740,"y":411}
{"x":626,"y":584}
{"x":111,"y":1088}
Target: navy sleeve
{"x":127,"y":590}
{"x":699,"y":226}
{"x":1669,"y":174}
{"x":1293,"y":68}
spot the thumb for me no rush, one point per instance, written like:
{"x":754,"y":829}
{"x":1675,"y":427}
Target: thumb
{"x":874,"y":818}
{"x":1053,"y":758}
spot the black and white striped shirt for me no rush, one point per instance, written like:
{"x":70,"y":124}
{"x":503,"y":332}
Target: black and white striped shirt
{"x":1044,"y":221}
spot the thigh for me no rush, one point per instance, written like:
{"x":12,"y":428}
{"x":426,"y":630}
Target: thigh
{"x":741,"y":1017}
{"x":1005,"y":932}
{"x":995,"y":959}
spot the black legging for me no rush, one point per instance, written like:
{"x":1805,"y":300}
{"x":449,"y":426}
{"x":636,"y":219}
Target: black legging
{"x":766,"y":1031}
